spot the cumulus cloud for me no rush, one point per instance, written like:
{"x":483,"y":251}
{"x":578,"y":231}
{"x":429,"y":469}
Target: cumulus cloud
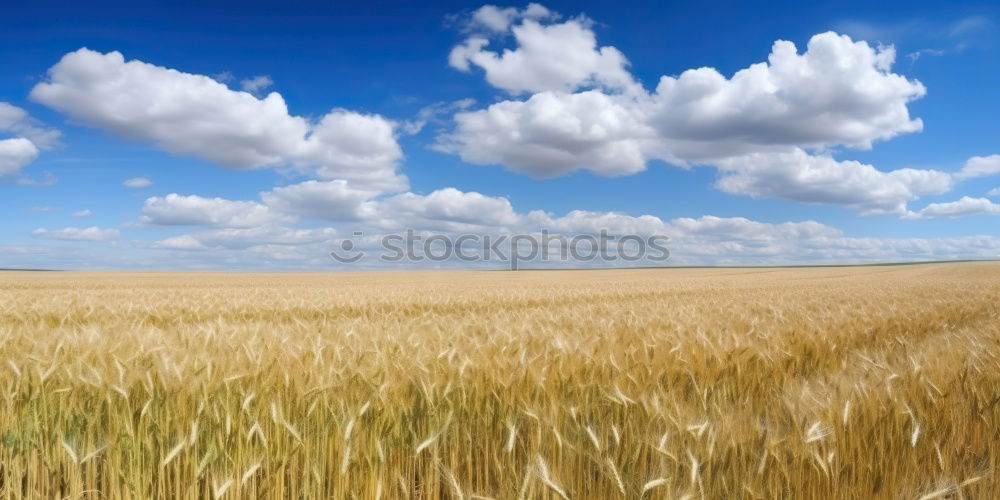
{"x":332,"y":200}
{"x":83,"y":213}
{"x":837,"y":92}
{"x":195,"y":115}
{"x":591,"y":222}
{"x":963,"y":207}
{"x":329,"y":200}
{"x":980,"y":166}
{"x":29,"y":138}
{"x":994,"y":192}
{"x":180,"y":242}
{"x":551,"y":134}
{"x":15,"y":121}
{"x":242,"y":238}
{"x":799,"y":176}
{"x":448,"y":209}
{"x":324,"y":200}
{"x":769,"y":128}
{"x":490,"y":18}
{"x":15,"y":154}
{"x":337,"y":201}
{"x":92,"y":233}
{"x":137,"y":182}
{"x":549,"y":57}
{"x":178,"y":210}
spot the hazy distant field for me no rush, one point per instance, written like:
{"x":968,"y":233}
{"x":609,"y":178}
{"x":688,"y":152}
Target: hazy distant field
{"x":714,"y":383}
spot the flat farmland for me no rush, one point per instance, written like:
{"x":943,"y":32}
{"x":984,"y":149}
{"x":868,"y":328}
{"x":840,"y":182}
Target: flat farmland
{"x":840,"y":382}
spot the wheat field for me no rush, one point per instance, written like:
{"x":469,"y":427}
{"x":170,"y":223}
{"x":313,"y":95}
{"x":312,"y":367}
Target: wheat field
{"x":854,"y":382}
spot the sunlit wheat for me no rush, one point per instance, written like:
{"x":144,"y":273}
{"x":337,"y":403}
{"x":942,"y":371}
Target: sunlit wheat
{"x":877,"y":382}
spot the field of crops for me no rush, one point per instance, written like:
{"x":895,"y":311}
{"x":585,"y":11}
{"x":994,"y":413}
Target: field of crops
{"x":857,"y":382}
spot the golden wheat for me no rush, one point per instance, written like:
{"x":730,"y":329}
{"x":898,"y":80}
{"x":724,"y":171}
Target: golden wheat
{"x":878,"y":382}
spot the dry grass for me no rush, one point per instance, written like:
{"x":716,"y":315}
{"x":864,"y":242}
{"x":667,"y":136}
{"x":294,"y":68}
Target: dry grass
{"x":768,"y":383}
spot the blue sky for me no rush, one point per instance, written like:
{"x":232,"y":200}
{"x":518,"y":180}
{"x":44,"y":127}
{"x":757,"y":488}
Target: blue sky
{"x":876,"y":142}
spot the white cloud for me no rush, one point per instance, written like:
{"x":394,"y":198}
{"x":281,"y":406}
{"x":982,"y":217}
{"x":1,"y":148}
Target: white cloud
{"x":490,"y":18}
{"x":994,"y":192}
{"x":332,"y":200}
{"x":180,"y":242}
{"x":15,"y":154}
{"x":589,"y":222}
{"x":137,"y":182}
{"x":705,"y":240}
{"x":799,"y":176}
{"x":16,"y":121}
{"x":552,"y":134}
{"x":738,"y":241}
{"x":10,"y":116}
{"x":447,"y":209}
{"x":243,"y":238}
{"x":175,"y":209}
{"x":83,"y":213}
{"x":92,"y":233}
{"x":549,"y":57}
{"x":494,"y":18}
{"x":29,"y":138}
{"x":739,"y":228}
{"x":266,"y":235}
{"x":434,"y":113}
{"x":980,"y":166}
{"x":254,"y":234}
{"x":256,"y":84}
{"x":769,"y":128}
{"x":837,"y":92}
{"x":195,"y":115}
{"x":963,"y":207}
